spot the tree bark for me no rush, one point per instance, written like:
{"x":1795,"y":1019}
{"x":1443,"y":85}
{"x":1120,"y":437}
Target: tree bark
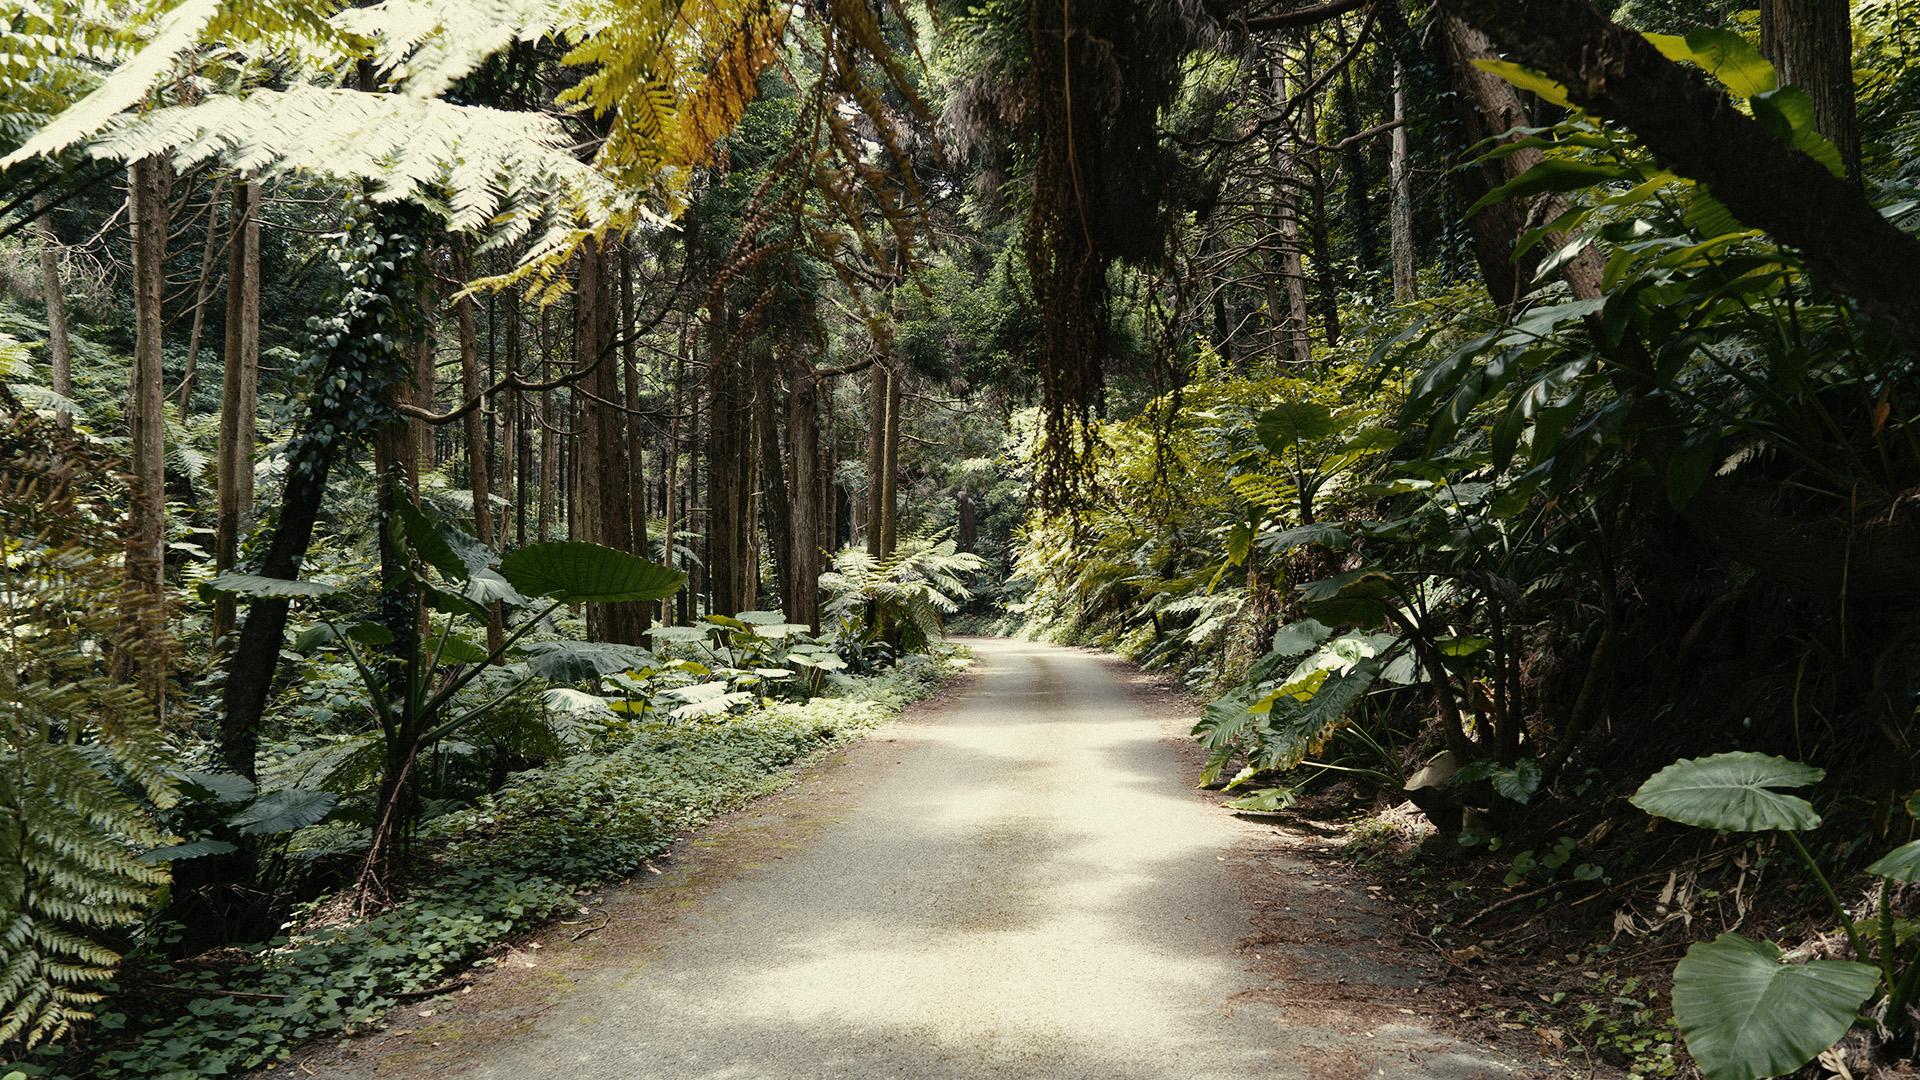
{"x":1286,"y":197}
{"x":877,"y":398}
{"x":147,"y":193}
{"x":776,"y":495}
{"x":1692,"y":128}
{"x":639,"y":616}
{"x":478,"y":477}
{"x":1399,"y":170}
{"x":803,"y":535}
{"x":239,"y":393}
{"x":202,"y":286}
{"x":59,"y":346}
{"x":1811,"y":45}
{"x":890,"y":468}
{"x":730,"y":466}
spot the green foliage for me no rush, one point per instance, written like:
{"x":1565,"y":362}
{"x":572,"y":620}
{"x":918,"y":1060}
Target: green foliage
{"x":1743,"y":1013}
{"x":1732,"y":792}
{"x":75,"y":741}
{"x":1746,"y":1015}
{"x":328,"y":981}
{"x":903,"y":595}
{"x":596,"y":817}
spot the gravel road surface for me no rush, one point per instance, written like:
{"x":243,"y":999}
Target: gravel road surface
{"x":1024,"y":887}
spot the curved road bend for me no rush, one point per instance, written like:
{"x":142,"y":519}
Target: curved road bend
{"x":1033,"y":891}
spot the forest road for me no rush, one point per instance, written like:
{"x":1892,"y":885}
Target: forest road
{"x":1023,"y":886}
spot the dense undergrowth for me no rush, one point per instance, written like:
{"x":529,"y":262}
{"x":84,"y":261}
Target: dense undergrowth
{"x":485,"y":872}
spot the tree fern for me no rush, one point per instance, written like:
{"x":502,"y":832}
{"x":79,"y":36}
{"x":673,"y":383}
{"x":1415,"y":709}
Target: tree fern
{"x":68,"y":833}
{"x":907,"y":592}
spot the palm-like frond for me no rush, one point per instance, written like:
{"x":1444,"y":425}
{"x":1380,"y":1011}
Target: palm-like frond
{"x":67,"y":831}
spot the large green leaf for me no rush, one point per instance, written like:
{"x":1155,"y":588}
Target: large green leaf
{"x":1745,"y":1015}
{"x":578,"y":572}
{"x":1900,"y":864}
{"x":1555,"y":174}
{"x":283,"y":810}
{"x":578,"y":661}
{"x":1296,"y":422}
{"x":1731,"y":792}
{"x":1725,"y":55}
{"x":1527,"y":79}
{"x":434,"y":547}
{"x":261,"y":587}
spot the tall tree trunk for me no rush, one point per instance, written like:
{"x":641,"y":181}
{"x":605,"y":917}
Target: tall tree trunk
{"x":877,"y":397}
{"x":641,"y":615}
{"x":1497,"y":226}
{"x":549,"y":453}
{"x":1811,"y":45}
{"x":59,"y":346}
{"x":802,"y":589}
{"x":730,"y":465}
{"x":890,"y":468}
{"x":1406,"y":286}
{"x":1359,"y":209}
{"x":1317,"y":187}
{"x":203,"y":286}
{"x":239,"y":393}
{"x":776,"y":496}
{"x":147,"y":192}
{"x":477,"y":472}
{"x":670,"y":532}
{"x":1286,"y":192}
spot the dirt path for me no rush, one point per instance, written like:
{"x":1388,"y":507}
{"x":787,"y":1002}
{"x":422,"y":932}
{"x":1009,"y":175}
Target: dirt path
{"x":1021,"y":884}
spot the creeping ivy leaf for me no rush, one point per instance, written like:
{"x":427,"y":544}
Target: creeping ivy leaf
{"x":1745,"y":1015}
{"x":1732,"y":792}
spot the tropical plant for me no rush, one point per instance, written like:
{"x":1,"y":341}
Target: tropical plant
{"x":902,"y":596}
{"x":1745,"y":1014}
{"x":78,"y":749}
{"x":412,"y":710}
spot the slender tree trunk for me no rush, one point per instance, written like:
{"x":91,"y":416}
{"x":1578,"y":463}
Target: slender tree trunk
{"x":776,"y":496}
{"x":1497,"y":226}
{"x":201,"y":289}
{"x":1317,"y":188}
{"x":1811,"y":45}
{"x":890,"y":468}
{"x":636,"y":501}
{"x":730,"y":469}
{"x":1293,"y":282}
{"x":670,"y":532}
{"x":1405,"y":284}
{"x":477,"y":472}
{"x":877,"y":399}
{"x":549,"y":455}
{"x":803,"y":438}
{"x":147,"y":194}
{"x":239,"y":382}
{"x":1359,"y":208}
{"x":59,"y":346}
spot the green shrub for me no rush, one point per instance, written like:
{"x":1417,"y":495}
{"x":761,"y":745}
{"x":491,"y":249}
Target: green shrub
{"x":595,"y":817}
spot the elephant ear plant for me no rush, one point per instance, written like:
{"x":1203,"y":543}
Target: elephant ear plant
{"x":1743,"y":1013}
